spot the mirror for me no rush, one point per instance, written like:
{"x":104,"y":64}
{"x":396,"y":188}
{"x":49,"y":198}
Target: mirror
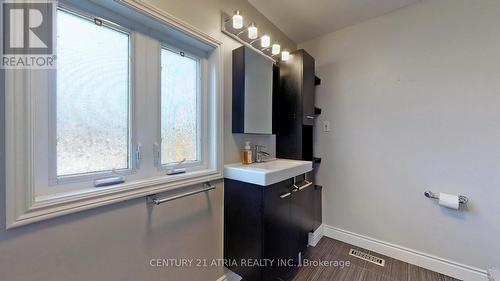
{"x":252,"y":92}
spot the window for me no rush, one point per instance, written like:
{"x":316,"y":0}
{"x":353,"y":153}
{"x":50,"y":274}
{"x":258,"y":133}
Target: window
{"x":134,"y":93}
{"x":180,"y":108}
{"x":92,"y":97}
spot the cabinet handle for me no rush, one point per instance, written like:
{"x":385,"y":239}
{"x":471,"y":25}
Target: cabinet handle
{"x":309,"y":117}
{"x":285,"y":195}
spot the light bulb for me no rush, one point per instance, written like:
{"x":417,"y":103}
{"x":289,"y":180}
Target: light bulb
{"x":265,"y":41}
{"x":276,"y":49}
{"x":237,"y":20}
{"x":285,"y":55}
{"x":252,"y":31}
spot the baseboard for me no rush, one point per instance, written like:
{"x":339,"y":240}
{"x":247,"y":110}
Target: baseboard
{"x":315,"y":236}
{"x":437,"y":264}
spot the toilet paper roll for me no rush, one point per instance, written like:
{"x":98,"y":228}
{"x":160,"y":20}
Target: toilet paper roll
{"x":448,"y":201}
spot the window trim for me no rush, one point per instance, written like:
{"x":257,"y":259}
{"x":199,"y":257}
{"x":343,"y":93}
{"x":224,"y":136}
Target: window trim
{"x":24,"y":207}
{"x":54,"y":179}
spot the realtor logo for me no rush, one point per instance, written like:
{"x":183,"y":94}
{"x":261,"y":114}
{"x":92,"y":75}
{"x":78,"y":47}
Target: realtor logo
{"x":28,"y":34}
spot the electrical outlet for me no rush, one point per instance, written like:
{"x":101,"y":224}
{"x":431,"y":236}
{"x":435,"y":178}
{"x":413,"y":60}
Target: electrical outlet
{"x":326,"y":126}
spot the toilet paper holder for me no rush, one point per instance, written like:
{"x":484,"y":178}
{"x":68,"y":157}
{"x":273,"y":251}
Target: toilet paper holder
{"x":461,"y":198}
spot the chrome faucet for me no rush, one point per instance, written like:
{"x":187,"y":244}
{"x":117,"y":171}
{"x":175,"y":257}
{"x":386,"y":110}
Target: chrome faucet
{"x":259,"y":153}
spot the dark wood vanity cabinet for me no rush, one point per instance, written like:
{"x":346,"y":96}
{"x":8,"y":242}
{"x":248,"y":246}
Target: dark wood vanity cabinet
{"x":265,"y":222}
{"x":272,"y":223}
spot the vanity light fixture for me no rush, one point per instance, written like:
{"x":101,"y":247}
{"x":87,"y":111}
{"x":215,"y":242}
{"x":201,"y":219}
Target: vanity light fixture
{"x":276,"y":48}
{"x":265,"y":41}
{"x":249,"y":35}
{"x":252,"y":31}
{"x":285,"y":55}
{"x":237,"y":20}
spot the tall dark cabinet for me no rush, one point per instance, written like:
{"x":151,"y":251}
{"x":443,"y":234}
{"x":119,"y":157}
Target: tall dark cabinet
{"x":295,"y":114}
{"x":296,"y":107}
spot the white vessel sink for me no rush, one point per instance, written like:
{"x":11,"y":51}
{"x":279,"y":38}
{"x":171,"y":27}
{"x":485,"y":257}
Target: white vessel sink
{"x":267,"y":173}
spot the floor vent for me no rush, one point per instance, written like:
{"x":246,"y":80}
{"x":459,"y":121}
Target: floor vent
{"x":367,"y":257}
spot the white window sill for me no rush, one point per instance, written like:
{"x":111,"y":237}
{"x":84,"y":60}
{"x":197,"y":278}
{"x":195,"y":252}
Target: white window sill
{"x":50,"y":206}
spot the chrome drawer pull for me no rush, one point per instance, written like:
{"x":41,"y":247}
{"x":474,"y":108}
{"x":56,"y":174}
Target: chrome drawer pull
{"x":285,"y":195}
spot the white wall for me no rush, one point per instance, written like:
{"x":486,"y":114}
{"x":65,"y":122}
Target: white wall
{"x":116,"y":242}
{"x":414,"y":103}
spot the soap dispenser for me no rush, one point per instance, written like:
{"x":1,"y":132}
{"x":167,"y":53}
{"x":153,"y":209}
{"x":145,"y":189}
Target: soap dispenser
{"x":246,"y":154}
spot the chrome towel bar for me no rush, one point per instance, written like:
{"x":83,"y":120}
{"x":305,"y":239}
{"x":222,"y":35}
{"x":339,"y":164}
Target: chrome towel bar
{"x":152,"y":199}
{"x":306,"y":183}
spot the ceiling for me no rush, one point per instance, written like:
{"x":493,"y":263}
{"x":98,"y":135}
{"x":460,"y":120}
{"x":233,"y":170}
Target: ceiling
{"x":302,"y":20}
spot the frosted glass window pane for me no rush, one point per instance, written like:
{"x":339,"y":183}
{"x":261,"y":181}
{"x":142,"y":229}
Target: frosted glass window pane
{"x":179,"y":107}
{"x":92,"y":97}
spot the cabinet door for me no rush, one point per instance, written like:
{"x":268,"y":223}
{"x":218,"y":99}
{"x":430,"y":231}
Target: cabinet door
{"x":289,"y":109}
{"x":243,"y":226}
{"x":308,"y":89}
{"x":303,"y":213}
{"x":278,"y":233}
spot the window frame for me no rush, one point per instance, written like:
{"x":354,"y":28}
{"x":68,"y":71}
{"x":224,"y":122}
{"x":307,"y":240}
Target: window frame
{"x":54,"y":179}
{"x":22,"y":128}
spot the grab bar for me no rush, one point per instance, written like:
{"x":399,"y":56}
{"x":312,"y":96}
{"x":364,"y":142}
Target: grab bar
{"x":152,"y":199}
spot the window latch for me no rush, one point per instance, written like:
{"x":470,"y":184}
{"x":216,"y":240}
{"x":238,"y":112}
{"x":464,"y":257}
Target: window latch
{"x":138,"y":155}
{"x":98,"y":21}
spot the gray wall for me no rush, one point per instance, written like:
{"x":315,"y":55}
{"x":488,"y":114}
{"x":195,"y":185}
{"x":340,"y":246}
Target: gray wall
{"x":116,"y":242}
{"x":413,"y":98}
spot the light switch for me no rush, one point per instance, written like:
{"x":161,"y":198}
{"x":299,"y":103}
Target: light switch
{"x":326,"y":126}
